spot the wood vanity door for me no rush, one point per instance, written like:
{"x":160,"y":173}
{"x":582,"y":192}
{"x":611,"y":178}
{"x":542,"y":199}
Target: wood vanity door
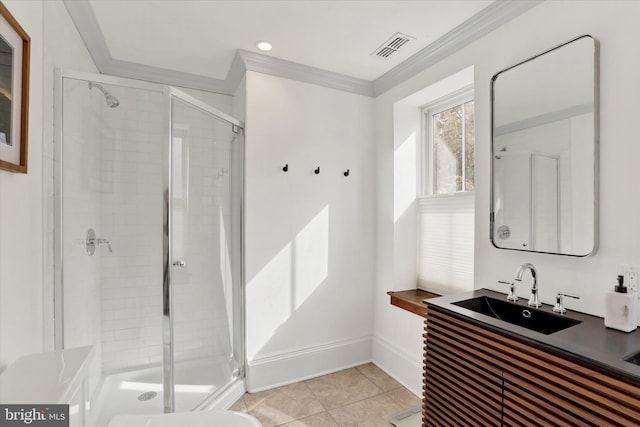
{"x":559,"y":392}
{"x":460,"y":386}
{"x":480,"y":377}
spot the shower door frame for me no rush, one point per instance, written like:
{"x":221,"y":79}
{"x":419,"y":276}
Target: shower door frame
{"x":168,"y":93}
{"x":58,"y":256}
{"x":171,"y":93}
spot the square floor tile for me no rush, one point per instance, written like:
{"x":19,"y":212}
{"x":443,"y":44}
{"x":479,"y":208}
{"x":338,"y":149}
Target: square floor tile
{"x":239,"y":406}
{"x":283,"y":404}
{"x":404,"y":398}
{"x":320,"y":420}
{"x":342,"y":388}
{"x":371,"y":412}
{"x":379,"y":377}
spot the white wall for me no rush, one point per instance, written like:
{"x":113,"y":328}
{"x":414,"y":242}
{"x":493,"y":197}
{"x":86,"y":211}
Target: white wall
{"x":309,"y":238}
{"x":613,"y":24}
{"x":21,"y":218}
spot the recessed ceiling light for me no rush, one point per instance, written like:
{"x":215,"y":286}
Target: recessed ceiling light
{"x":263,"y":45}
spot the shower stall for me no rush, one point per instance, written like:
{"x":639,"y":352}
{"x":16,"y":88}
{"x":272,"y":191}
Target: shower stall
{"x":148,"y":244}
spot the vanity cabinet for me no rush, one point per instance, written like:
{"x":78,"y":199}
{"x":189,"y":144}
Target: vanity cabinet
{"x":478,"y":376}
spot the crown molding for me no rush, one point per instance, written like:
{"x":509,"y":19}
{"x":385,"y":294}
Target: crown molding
{"x":485,"y":21}
{"x":480,"y":24}
{"x":149,"y":73}
{"x":304,"y":73}
{"x":87,"y":25}
{"x":85,"y":21}
{"x":236,"y":72}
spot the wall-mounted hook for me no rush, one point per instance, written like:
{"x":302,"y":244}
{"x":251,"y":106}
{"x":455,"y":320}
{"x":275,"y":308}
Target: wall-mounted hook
{"x":317,"y":170}
{"x":346,"y":173}
{"x":285,"y":168}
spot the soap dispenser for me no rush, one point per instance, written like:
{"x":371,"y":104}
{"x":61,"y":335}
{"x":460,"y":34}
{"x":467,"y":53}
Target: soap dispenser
{"x":621,"y":308}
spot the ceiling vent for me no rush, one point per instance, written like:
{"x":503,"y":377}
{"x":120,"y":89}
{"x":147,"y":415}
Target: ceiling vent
{"x":392,"y":45}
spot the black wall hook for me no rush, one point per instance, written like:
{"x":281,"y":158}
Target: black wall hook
{"x":317,"y":170}
{"x":346,"y":173}
{"x":286,"y":168}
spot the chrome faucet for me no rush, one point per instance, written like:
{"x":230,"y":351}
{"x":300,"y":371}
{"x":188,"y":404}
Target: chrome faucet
{"x":534,"y":300}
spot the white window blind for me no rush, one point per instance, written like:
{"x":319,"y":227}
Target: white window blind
{"x":446,"y":242}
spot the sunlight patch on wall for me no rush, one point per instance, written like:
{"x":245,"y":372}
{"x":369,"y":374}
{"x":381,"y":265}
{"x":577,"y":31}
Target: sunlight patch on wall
{"x":269,"y":300}
{"x":405,"y":176}
{"x":287,"y":281}
{"x":311,"y":257}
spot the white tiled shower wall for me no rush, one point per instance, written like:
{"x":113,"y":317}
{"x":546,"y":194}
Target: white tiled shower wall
{"x":81,"y":199}
{"x":131,"y":206}
{"x":115,"y":186}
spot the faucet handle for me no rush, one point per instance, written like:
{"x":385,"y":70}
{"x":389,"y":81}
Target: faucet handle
{"x":559,"y":308}
{"x":512,"y":290}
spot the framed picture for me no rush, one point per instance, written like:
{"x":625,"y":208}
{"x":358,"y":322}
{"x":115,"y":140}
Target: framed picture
{"x":14,"y":93}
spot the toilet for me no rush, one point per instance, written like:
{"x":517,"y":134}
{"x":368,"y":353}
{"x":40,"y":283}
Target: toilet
{"x":191,"y":419}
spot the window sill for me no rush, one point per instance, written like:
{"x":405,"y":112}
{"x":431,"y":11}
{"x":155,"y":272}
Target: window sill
{"x":447,"y":195}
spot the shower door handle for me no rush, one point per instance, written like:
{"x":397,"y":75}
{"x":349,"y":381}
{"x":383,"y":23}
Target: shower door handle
{"x":180,"y":263}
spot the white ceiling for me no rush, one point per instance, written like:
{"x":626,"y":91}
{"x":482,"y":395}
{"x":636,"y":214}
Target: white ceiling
{"x":202,"y":37}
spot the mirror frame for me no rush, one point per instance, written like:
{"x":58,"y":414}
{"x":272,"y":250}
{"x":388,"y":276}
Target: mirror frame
{"x":596,"y":147}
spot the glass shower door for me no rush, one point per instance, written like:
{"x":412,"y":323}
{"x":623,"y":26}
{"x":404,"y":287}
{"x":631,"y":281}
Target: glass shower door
{"x":205,"y":268}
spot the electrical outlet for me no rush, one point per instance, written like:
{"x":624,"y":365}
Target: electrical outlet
{"x":631,"y":280}
{"x":631,"y":274}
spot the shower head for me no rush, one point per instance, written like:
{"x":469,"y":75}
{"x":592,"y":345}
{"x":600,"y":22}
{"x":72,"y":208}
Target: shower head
{"x":112,"y":101}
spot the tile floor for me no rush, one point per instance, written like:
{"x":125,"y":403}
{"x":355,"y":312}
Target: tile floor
{"x":360,"y":396}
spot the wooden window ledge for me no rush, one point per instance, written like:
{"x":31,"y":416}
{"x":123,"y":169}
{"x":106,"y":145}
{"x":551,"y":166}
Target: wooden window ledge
{"x":411,"y":300}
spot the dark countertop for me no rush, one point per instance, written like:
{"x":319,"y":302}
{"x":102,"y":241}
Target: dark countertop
{"x":589,"y":341}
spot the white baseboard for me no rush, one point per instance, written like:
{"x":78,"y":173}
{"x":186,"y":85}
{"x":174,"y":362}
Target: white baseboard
{"x":402,"y":366}
{"x":274,"y":370}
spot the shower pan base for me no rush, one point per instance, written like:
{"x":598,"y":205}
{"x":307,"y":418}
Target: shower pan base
{"x":196,"y":381}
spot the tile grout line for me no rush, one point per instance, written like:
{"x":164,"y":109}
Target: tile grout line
{"x":379,"y":392}
{"x":361,"y":400}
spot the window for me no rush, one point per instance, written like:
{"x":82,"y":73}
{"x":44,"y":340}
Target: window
{"x":446,"y":224}
{"x":449,"y":143}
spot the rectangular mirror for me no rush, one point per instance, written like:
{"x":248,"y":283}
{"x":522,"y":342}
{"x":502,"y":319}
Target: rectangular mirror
{"x":544,"y":152}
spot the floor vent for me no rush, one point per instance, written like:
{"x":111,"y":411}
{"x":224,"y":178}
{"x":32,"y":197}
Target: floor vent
{"x":391,"y":46}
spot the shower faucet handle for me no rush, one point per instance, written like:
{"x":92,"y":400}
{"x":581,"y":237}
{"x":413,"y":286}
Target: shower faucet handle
{"x":92,"y":241}
{"x":101,"y":241}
